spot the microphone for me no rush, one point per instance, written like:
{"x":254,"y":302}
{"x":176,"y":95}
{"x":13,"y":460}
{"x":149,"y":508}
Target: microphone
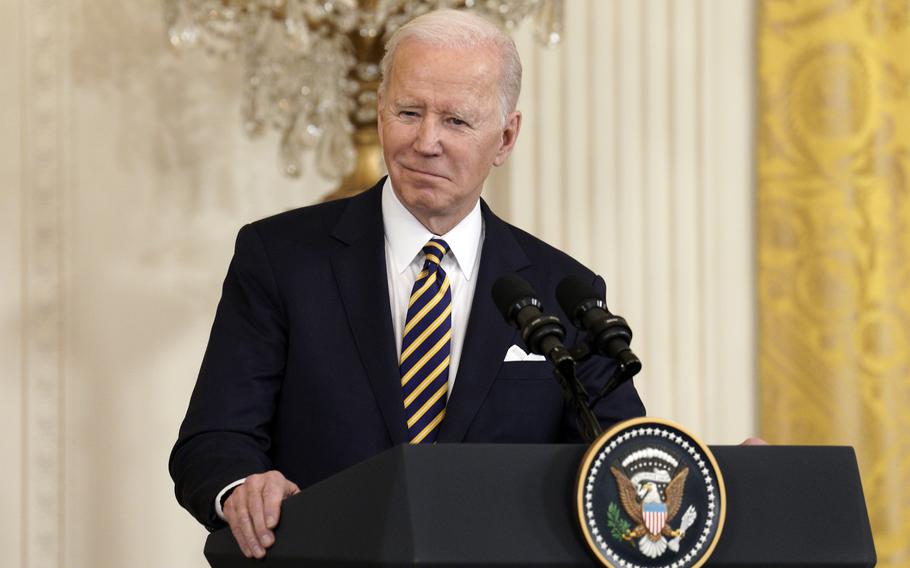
{"x":608,"y":334}
{"x":543,"y":335}
{"x":520,"y":306}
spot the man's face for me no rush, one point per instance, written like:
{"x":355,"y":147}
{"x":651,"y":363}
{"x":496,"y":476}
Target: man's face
{"x":440,"y":129}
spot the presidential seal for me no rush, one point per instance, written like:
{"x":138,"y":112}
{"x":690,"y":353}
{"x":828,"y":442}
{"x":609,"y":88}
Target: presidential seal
{"x":650,"y":495}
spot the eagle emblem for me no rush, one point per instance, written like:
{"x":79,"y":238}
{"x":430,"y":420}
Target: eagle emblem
{"x":652,"y":513}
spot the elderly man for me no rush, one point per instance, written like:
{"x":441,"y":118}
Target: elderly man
{"x":348,"y":327}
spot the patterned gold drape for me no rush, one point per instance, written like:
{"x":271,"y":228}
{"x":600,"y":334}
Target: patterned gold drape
{"x":834,"y":241}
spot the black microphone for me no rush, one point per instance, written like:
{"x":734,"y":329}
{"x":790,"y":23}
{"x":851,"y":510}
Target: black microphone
{"x":543,"y":335}
{"x":520,"y":306}
{"x":609,"y":334}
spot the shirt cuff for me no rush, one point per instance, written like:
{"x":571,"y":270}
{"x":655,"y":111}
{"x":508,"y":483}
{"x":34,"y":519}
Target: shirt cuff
{"x":218,"y":510}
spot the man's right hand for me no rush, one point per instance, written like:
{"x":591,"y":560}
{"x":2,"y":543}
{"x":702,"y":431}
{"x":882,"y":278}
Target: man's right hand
{"x":252,"y":510}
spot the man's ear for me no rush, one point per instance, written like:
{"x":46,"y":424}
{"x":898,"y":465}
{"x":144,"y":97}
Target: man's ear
{"x":509,"y":136}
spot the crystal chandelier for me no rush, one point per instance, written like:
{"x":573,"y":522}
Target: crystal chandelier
{"x":311,"y":67}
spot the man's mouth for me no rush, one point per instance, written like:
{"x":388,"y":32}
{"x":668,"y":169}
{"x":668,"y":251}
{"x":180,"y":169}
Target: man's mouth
{"x":423,"y":172}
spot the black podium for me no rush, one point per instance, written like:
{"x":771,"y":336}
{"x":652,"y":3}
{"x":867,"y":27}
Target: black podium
{"x":513,"y":505}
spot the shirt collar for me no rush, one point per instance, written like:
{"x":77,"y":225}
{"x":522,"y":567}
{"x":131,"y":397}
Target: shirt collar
{"x":406,"y":235}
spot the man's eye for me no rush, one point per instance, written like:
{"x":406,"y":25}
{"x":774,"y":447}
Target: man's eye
{"x":457,"y":121}
{"x":407,"y":114}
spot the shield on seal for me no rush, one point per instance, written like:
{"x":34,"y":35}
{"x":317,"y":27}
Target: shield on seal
{"x":655,"y":516}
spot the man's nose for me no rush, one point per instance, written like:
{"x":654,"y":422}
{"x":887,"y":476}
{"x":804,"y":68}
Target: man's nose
{"x":427,"y":140}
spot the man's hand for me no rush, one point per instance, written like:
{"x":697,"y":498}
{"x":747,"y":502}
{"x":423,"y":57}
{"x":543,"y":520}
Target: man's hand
{"x":753,"y":441}
{"x":253,"y":508}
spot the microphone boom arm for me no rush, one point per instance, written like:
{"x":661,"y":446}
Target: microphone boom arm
{"x":576,"y":393}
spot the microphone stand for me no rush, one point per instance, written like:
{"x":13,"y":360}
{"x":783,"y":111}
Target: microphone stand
{"x":573,"y":391}
{"x":576,"y":392}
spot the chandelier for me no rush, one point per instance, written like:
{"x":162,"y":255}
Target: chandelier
{"x":311,"y":68}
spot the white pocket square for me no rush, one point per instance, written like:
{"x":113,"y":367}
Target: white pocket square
{"x":516,"y":353}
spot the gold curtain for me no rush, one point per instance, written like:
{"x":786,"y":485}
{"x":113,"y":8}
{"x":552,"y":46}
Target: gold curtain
{"x":834,"y":241}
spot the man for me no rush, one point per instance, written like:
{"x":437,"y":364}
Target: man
{"x":349,"y":327}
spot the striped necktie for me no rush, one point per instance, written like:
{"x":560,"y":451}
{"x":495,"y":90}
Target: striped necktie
{"x":425,"y":345}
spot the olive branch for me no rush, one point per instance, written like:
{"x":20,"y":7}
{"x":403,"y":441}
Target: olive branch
{"x":618,"y":526}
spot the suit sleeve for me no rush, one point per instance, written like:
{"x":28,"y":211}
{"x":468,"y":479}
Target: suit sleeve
{"x":226,"y":432}
{"x":622,"y":404}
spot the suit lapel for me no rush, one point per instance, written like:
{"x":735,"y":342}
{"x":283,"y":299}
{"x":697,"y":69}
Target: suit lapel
{"x":360,"y":273}
{"x":488,"y":336}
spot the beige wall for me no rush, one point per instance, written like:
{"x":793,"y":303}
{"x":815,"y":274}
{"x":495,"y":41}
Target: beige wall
{"x":124,"y":177}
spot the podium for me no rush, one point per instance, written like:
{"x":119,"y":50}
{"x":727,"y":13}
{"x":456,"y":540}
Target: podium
{"x":454,"y":505}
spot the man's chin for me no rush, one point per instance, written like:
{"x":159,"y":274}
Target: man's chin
{"x":424,"y":189}
{"x":424,"y":201}
{"x":425,"y":198}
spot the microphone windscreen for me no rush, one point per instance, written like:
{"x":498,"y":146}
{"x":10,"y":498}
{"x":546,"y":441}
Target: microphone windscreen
{"x":572,"y":291}
{"x":508,"y":290}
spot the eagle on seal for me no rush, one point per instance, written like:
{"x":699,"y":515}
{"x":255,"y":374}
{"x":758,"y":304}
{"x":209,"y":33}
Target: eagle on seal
{"x":651,"y":514}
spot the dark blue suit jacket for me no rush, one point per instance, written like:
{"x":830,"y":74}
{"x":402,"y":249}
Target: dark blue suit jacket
{"x":300,"y":373}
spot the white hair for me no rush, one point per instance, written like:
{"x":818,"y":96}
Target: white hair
{"x":462,"y":30}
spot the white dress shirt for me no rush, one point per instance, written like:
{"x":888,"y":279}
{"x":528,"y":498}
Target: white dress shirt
{"x":404,"y":240}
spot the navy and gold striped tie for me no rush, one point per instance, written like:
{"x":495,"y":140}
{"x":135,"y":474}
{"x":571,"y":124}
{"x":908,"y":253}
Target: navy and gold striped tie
{"x":425,"y":345}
